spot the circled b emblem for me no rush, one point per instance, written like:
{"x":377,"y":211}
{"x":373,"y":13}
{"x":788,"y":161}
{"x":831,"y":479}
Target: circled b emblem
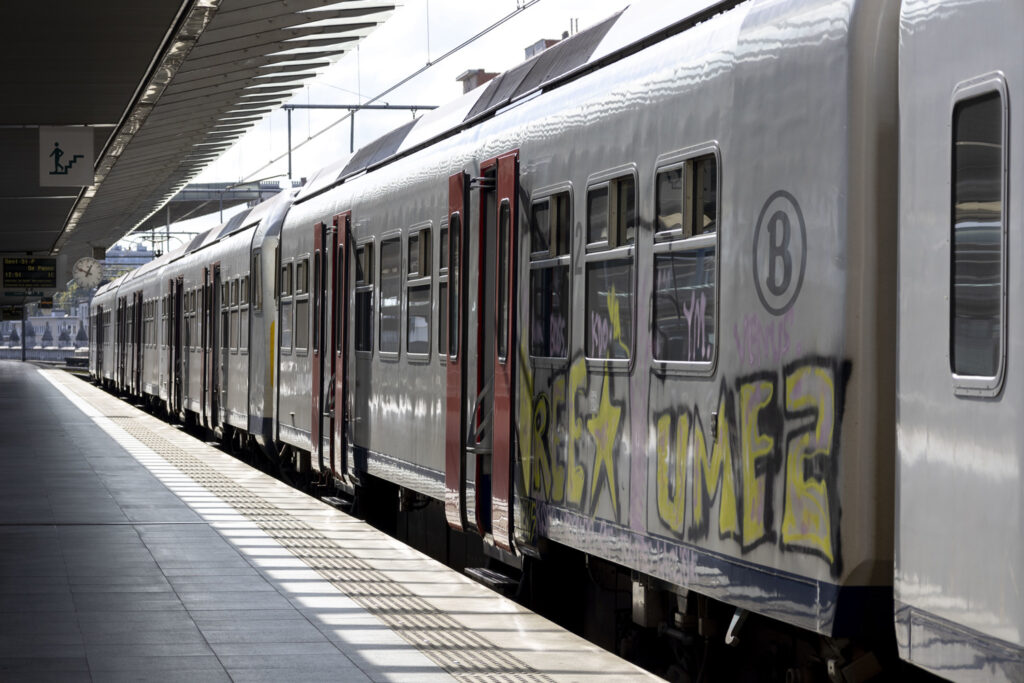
{"x":780,"y":252}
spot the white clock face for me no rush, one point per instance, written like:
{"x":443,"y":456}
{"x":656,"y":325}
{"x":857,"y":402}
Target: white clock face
{"x":87,"y":272}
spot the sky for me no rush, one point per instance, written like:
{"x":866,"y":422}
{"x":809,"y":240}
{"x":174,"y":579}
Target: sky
{"x":419,"y":31}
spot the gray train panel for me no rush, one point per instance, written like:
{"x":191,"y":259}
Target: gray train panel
{"x":960,"y":609}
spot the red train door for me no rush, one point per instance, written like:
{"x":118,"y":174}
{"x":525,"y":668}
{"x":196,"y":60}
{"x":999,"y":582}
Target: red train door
{"x":504,"y":347}
{"x":122,"y":341}
{"x":323,"y":340}
{"x":339,"y":341}
{"x":455,"y":412}
{"x":211,"y":355}
{"x":138,"y":341}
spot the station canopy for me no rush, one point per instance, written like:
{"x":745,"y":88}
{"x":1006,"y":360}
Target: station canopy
{"x":157,"y":89}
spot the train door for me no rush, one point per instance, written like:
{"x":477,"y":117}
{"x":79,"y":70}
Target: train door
{"x":120,"y":352}
{"x":339,"y":337}
{"x":455,"y":379}
{"x":174,"y":344}
{"x":323,"y":239}
{"x":211,"y":360}
{"x":223,"y":377}
{"x":137,"y":342}
{"x":481,"y":357}
{"x":97,"y":340}
{"x":505,"y":168}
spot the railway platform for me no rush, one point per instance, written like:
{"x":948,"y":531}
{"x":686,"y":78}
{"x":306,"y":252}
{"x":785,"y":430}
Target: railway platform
{"x":130,"y":550}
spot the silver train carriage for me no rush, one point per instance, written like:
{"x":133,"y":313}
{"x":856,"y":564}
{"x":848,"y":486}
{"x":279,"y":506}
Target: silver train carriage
{"x":639,"y":296}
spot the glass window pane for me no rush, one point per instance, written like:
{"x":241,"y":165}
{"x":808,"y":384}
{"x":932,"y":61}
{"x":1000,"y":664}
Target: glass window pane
{"x":444,"y":248}
{"x":684,"y":305}
{"x":561,"y":220}
{"x":442,"y":317}
{"x":301,"y":277}
{"x":453,"y":292}
{"x":625,"y":210}
{"x":609,"y":321}
{"x":364,"y":320}
{"x":705,"y":195}
{"x":549,"y":312}
{"x":302,"y":324}
{"x":286,"y":326}
{"x":670,"y":200}
{"x":418,"y":320}
{"x":597,"y":215}
{"x":502,"y":275}
{"x":977,"y":236}
{"x":414,"y":254}
{"x":540,"y":228}
{"x":390,"y":294}
{"x":243,"y":330}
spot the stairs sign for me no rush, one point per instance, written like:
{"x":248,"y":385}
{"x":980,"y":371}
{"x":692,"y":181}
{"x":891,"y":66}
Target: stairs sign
{"x":66,"y":156}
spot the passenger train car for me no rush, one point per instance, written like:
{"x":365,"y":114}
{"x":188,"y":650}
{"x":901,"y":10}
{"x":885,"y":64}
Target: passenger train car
{"x":718,"y":293}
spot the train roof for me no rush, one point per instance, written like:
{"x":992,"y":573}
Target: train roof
{"x":631,"y":30}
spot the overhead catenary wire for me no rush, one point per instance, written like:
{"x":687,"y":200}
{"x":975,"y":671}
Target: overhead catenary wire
{"x":520,"y":8}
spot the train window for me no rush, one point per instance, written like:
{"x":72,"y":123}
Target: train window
{"x":419,"y":253}
{"x":363,"y":318}
{"x":443,"y":265}
{"x":611,"y":212}
{"x":452,"y":317}
{"x":418,"y":320}
{"x":243,"y":330}
{"x":225,"y":329}
{"x":302,"y":324}
{"x":504,"y":219}
{"x":285,"y":281}
{"x":302,"y":305}
{"x":243,"y":291}
{"x":233,"y":329}
{"x":550,"y":232}
{"x":550,"y":229}
{"x":669,"y":200}
{"x":442,"y":292}
{"x":609,"y":268}
{"x":977,"y":306}
{"x":597,"y":215}
{"x":301,"y":276}
{"x":225,"y":301}
{"x":685,"y":261}
{"x":417,"y":294}
{"x":286,"y":327}
{"x":257,"y":282}
{"x":609,"y":328}
{"x":390,"y":294}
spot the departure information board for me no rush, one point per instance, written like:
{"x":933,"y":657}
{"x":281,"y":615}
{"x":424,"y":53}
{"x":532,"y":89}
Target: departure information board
{"x":30,"y":272}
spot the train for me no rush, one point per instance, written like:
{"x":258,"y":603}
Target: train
{"x":713,"y":295}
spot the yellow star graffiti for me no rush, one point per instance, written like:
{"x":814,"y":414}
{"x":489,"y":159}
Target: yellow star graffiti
{"x":604,"y":427}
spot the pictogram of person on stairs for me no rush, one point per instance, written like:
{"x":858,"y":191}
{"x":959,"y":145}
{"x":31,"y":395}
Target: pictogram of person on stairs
{"x":57,"y":153}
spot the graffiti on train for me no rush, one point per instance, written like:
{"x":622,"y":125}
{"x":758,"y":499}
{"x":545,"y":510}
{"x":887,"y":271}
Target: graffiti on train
{"x":713,"y":474}
{"x":764,"y":341}
{"x":766,"y":425}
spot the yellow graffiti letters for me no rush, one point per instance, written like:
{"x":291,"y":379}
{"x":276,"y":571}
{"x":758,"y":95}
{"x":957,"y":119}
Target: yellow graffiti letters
{"x":671,"y":473}
{"x":714,"y":475}
{"x":576,"y":477}
{"x":755,"y":446}
{"x":604,"y":428}
{"x":806,"y":518}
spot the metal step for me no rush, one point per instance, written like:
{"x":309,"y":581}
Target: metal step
{"x":496,"y":581}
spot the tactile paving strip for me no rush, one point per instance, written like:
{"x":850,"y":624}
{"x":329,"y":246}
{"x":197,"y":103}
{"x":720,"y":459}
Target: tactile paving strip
{"x":463,"y":653}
